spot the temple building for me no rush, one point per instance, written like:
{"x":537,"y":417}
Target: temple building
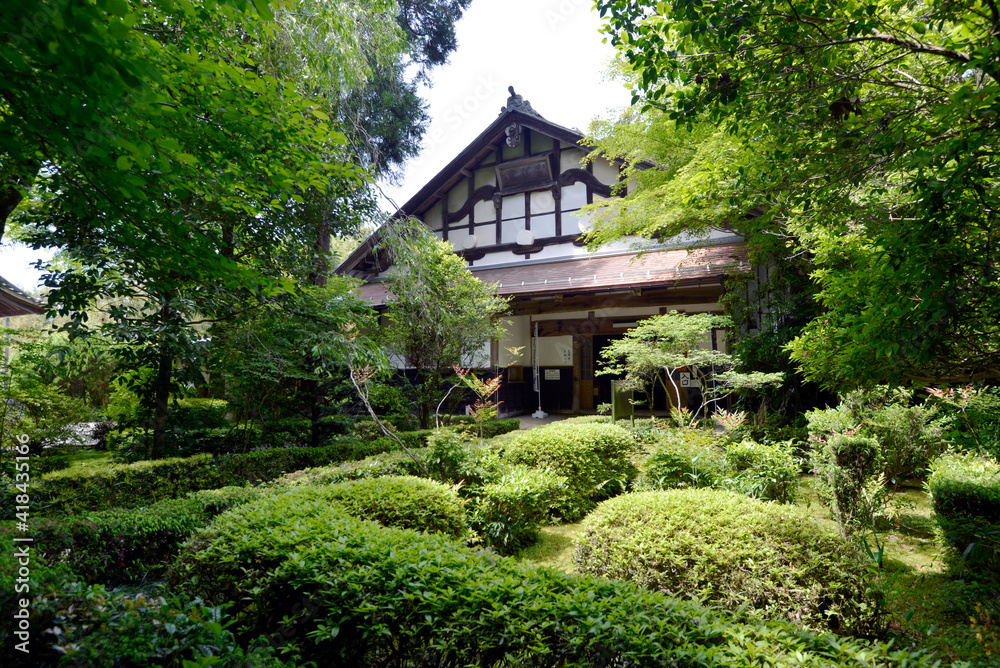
{"x":510,"y":205}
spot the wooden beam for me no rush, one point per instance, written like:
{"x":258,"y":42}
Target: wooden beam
{"x":663,"y":298}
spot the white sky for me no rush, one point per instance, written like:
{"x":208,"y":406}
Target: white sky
{"x":549,"y":50}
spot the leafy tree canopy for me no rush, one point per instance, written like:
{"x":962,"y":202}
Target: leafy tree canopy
{"x":439,"y":315}
{"x":865,"y":133}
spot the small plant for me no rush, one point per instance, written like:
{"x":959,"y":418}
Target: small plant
{"x":484,"y":409}
{"x":446,"y":456}
{"x":730,"y":421}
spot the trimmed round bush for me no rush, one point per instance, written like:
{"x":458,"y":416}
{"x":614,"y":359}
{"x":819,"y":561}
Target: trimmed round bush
{"x":594,"y":458}
{"x":346,"y":592}
{"x":733,"y":551}
{"x":400,"y":501}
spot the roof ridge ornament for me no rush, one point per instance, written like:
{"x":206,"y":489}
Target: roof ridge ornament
{"x":517,"y":103}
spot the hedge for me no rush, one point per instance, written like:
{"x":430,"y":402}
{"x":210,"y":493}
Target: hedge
{"x":145,"y":482}
{"x":118,"y":546}
{"x":349,"y":592}
{"x":594,"y":458}
{"x":720,"y":546}
{"x":965,"y":493}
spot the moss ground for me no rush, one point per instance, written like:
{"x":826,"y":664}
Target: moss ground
{"x":930,"y":604}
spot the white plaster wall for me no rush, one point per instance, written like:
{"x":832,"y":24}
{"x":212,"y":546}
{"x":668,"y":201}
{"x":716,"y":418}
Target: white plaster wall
{"x":555,"y":351}
{"x":606,"y":172}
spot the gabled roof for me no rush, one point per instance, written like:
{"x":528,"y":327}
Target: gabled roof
{"x":517,"y":111}
{"x":14,"y":301}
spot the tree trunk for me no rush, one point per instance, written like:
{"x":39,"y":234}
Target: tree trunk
{"x":313,"y":387}
{"x":161,"y":398}
{"x":16,"y":180}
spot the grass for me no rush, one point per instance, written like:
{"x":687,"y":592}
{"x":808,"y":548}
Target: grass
{"x":88,"y":458}
{"x":554,"y":547}
{"x":929,"y":605}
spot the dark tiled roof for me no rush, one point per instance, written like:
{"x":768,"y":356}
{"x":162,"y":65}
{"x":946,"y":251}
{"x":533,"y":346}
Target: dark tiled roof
{"x":14,"y":301}
{"x":659,"y":268}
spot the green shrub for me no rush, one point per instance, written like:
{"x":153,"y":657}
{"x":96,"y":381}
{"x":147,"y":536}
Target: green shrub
{"x":493,"y":427}
{"x":647,"y":430}
{"x":735,"y":551}
{"x":352,"y":593}
{"x":446,"y":455}
{"x":390,"y":463}
{"x":682,"y":458}
{"x":289,"y":431}
{"x":117,"y":546}
{"x":845,"y":467}
{"x":971,"y":418}
{"x":142,"y":483}
{"x":965,"y":493}
{"x":509,"y":513}
{"x":908,"y":437}
{"x":199,"y":414}
{"x":88,"y":626}
{"x":132,"y":445}
{"x":594,"y":459}
{"x":763,"y":471}
{"x":406,"y":502}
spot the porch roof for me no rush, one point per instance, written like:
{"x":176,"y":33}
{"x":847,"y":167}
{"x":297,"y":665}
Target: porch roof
{"x":601,"y":274}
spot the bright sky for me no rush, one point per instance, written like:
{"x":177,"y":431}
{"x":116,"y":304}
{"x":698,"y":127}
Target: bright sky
{"x":549,"y":50}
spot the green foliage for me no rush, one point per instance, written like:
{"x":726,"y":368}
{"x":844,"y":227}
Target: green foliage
{"x":405,"y":502}
{"x":40,"y":577}
{"x":279,"y":364}
{"x":908,"y":436}
{"x":87,"y":625}
{"x":971,"y":417}
{"x":446,"y":455}
{"x":347,"y":592}
{"x":440,"y":315}
{"x":723,"y":547}
{"x":766,"y":471}
{"x":689,"y":458}
{"x":508,"y":513}
{"x":200,"y":414}
{"x":388,"y":464}
{"x":32,"y":403}
{"x":655,"y":351}
{"x":118,"y":546}
{"x":965,"y":491}
{"x":130,"y":485}
{"x":887,"y":188}
{"x":846,"y":467}
{"x":684,"y":458}
{"x":594,"y":459}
